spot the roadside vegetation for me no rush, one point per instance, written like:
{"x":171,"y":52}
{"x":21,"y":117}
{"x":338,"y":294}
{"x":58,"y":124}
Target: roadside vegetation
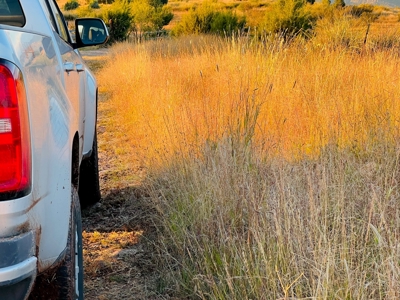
{"x":272,"y":163}
{"x":138,"y":20}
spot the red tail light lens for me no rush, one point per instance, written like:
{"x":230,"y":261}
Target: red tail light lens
{"x":15,"y":156}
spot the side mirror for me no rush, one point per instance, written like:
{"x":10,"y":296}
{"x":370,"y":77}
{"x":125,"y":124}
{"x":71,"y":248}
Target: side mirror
{"x":90,"y":32}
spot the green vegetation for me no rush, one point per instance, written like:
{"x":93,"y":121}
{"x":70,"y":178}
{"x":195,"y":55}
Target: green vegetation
{"x":124,"y":17}
{"x":289,"y":18}
{"x":72,"y":4}
{"x":94,"y":4}
{"x":360,"y":10}
{"x":207,"y":19}
{"x":339,"y":3}
{"x":286,"y":18}
{"x":119,"y":19}
{"x":148,"y":15}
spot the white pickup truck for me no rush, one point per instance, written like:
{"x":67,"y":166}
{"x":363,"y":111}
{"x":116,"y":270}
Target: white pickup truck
{"x":48,"y":148}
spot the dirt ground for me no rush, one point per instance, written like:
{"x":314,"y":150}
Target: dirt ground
{"x":117,"y":233}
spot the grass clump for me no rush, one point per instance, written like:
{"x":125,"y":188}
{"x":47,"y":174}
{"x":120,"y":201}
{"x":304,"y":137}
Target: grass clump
{"x":242,"y":228}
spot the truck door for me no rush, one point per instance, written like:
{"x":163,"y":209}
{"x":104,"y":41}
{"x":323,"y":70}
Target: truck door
{"x":71,"y":66}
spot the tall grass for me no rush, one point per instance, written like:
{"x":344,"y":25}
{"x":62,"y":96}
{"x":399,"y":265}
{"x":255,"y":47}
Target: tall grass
{"x":274,"y":167}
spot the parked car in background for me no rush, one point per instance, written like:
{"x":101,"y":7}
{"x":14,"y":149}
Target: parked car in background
{"x":48,"y":148}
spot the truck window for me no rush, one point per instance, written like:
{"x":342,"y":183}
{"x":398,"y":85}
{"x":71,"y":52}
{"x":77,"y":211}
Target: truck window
{"x":11,"y":13}
{"x":59,"y":19}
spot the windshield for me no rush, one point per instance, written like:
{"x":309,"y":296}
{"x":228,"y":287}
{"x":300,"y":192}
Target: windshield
{"x":11,"y":13}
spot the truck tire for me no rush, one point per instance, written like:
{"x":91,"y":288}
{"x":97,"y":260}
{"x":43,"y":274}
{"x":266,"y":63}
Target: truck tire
{"x":89,"y":184}
{"x":69,"y":275}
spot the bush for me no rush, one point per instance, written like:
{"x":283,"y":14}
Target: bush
{"x":156,"y":3}
{"x":163,"y":15}
{"x":205,"y":19}
{"x":94,"y":4}
{"x":119,"y":19}
{"x":226,"y":22}
{"x":70,"y":5}
{"x":359,"y":10}
{"x":147,"y":17}
{"x":87,"y":12}
{"x":289,"y":18}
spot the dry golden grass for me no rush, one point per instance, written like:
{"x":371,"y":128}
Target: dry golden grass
{"x":274,"y":167}
{"x":181,"y":96}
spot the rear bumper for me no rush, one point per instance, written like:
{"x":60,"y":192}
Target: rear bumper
{"x":18,"y":266}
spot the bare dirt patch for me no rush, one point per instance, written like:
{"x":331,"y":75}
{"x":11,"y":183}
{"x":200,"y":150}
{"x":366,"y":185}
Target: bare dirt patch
{"x":117,"y":232}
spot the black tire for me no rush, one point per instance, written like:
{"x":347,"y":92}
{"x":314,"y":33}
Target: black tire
{"x":69,"y":275}
{"x":89,"y":184}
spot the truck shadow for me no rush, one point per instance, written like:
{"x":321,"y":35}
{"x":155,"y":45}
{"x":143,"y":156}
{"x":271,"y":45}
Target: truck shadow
{"x":118,"y":235}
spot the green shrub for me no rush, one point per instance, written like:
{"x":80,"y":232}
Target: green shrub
{"x":163,"y":15}
{"x":70,"y":5}
{"x":226,"y":22}
{"x":147,"y":17}
{"x":289,"y":18}
{"x":339,"y":4}
{"x":359,"y":10}
{"x":94,"y":4}
{"x":119,"y":19}
{"x":206,"y":19}
{"x":156,"y":3}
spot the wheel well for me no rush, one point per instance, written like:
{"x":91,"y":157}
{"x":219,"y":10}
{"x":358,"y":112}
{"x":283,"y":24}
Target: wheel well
{"x":75,"y":161}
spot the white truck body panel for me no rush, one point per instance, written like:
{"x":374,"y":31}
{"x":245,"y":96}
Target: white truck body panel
{"x":62,"y":106}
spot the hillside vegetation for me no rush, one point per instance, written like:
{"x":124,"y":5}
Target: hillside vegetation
{"x":272,"y":163}
{"x":142,"y":19}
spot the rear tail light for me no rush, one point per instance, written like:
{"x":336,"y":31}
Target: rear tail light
{"x":15,"y":155}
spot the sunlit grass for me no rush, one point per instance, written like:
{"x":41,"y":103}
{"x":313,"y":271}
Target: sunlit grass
{"x":288,"y":100}
{"x":274,"y":166}
{"x":102,"y":249}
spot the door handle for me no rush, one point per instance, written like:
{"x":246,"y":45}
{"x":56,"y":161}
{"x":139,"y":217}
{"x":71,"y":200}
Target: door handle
{"x":79,"y":68}
{"x":69,"y":66}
